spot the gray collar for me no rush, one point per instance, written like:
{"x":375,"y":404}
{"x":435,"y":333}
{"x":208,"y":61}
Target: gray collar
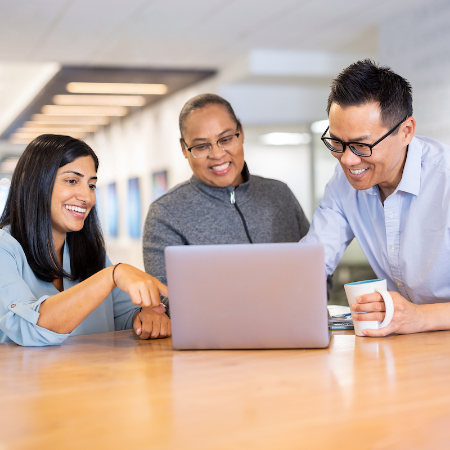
{"x":243,"y":191}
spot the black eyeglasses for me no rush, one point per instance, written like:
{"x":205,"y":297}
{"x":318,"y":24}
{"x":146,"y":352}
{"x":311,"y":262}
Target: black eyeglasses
{"x":226,"y":143}
{"x":358,"y":148}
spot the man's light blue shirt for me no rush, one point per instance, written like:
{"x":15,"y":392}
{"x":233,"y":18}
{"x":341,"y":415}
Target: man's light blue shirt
{"x":406,"y":240}
{"x":21,"y":295}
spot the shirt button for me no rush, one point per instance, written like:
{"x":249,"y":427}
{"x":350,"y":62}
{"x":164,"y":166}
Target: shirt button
{"x":399,"y":283}
{"x":13,"y":305}
{"x":392,"y":249}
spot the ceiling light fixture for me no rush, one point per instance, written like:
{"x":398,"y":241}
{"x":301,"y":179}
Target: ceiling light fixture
{"x":30,"y":136}
{"x":54,"y":119}
{"x":35,"y":126}
{"x":97,"y":100}
{"x":49,"y":130}
{"x":320,"y":126}
{"x":8,"y":165}
{"x":279,"y":138}
{"x":85,"y":110}
{"x":116,"y":88}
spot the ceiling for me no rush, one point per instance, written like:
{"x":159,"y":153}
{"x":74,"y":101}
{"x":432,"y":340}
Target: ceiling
{"x":184,"y":34}
{"x":41,"y":36}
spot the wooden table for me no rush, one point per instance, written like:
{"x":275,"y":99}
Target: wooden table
{"x":114,"y":391}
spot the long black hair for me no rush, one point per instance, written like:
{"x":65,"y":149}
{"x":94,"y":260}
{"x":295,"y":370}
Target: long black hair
{"x":28,"y":210}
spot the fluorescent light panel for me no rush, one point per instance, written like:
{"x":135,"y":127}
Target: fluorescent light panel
{"x":85,"y":110}
{"x":97,"y":100}
{"x":285,"y":138}
{"x":20,"y":140}
{"x":35,"y":126}
{"x":116,"y":88}
{"x":49,"y":130}
{"x":54,"y":118}
{"x":27,"y":135}
{"x":7,"y":166}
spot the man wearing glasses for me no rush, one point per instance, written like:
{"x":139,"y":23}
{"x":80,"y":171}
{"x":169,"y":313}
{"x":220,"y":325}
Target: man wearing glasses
{"x":391,"y":191}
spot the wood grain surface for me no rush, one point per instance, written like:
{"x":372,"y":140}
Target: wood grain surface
{"x":114,"y":391}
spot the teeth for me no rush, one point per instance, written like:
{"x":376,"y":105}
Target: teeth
{"x":357,"y":172}
{"x":222,"y":167}
{"x":75,"y":208}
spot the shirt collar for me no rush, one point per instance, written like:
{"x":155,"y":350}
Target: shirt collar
{"x":410,"y":181}
{"x":223,"y":193}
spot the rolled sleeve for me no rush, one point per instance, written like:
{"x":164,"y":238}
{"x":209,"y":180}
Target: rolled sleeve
{"x":19,"y":315}
{"x":29,"y":311}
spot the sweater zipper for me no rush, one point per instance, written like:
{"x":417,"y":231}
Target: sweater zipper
{"x":233,"y":202}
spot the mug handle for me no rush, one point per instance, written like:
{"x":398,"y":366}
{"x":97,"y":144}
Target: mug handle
{"x":389,"y":306}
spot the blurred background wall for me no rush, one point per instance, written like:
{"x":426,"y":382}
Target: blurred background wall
{"x":274,"y":61}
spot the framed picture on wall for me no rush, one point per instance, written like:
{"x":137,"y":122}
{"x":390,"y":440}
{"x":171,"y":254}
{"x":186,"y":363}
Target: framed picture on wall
{"x":112,"y":207}
{"x":134,"y":208}
{"x":159,"y":184}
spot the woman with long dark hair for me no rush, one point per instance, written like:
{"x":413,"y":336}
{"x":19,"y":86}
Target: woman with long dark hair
{"x":55,"y":277}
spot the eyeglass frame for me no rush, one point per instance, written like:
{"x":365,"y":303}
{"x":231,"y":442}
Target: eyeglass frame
{"x":345,"y":144}
{"x":189,"y":149}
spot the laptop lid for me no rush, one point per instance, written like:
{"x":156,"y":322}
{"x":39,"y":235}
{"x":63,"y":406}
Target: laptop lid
{"x":247,"y":296}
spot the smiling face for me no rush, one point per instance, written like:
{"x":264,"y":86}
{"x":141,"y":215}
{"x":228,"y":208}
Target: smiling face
{"x":220,"y":168}
{"x":73,"y":197}
{"x":363,"y":124}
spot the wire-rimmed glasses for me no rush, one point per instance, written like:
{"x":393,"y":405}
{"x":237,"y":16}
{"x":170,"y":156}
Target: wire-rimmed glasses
{"x":225,"y":143}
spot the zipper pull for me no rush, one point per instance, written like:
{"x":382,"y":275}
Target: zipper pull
{"x":232,"y":198}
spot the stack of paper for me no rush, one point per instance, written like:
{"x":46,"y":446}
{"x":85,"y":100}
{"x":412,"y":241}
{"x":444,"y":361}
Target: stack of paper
{"x":339,"y":318}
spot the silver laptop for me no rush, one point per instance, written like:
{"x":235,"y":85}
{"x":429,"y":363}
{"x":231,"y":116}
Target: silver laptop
{"x":248,"y":296}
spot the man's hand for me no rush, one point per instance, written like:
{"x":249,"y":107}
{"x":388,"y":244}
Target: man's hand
{"x":408,"y":317}
{"x":149,"y":323}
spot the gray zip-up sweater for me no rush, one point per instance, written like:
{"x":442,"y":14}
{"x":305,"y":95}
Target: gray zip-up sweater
{"x":260,"y":210}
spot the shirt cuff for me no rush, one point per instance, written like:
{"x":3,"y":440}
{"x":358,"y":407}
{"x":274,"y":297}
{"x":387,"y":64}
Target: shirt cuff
{"x":28,"y":312}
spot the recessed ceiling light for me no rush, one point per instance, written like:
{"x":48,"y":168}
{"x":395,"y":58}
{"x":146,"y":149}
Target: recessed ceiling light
{"x":320,"y":126}
{"x":85,"y":110}
{"x":8,"y":165}
{"x":117,"y":88}
{"x":52,"y":118}
{"x":279,"y":138}
{"x":96,"y":100}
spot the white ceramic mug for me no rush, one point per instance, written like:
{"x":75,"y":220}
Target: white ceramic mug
{"x":355,"y":290}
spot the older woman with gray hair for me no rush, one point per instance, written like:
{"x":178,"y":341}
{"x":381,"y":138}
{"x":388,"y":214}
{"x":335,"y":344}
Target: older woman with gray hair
{"x":222,"y":203}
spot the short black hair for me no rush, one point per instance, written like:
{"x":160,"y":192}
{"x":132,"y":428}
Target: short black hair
{"x":365,"y":82}
{"x":202,"y":100}
{"x":28,"y":210}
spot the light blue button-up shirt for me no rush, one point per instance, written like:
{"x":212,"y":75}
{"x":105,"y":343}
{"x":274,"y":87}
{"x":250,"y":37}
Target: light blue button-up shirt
{"x":406,"y":240}
{"x":21,"y":294}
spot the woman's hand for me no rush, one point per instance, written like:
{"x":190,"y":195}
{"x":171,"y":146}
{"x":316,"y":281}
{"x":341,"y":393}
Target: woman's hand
{"x":143,"y":289}
{"x":149,"y":323}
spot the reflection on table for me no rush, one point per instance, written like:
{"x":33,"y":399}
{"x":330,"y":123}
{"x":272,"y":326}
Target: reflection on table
{"x":115,"y":391}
